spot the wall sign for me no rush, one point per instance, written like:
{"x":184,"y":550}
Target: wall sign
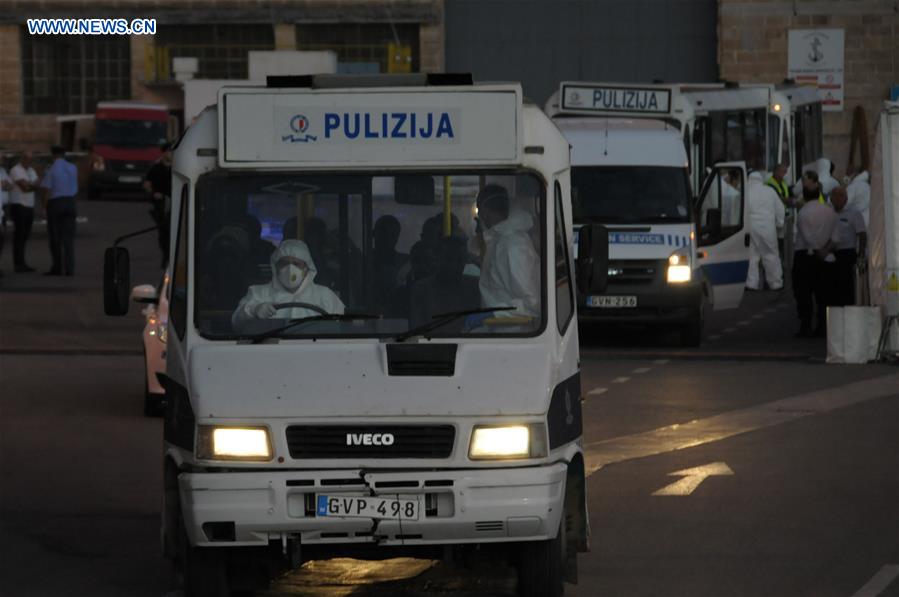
{"x":816,"y":59}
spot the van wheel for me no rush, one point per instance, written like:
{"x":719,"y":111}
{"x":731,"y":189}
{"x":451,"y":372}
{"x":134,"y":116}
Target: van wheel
{"x":541,"y":565}
{"x":691,"y":332}
{"x":203,"y":570}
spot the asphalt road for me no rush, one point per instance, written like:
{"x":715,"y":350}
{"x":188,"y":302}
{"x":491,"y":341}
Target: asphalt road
{"x":802,"y":458}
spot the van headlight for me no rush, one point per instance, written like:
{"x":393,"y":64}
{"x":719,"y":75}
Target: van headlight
{"x":679,"y":269}
{"x":233,"y":443}
{"x":507,"y":442}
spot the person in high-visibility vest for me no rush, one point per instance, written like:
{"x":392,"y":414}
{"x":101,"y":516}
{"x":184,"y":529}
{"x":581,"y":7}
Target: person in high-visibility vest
{"x":776,"y":181}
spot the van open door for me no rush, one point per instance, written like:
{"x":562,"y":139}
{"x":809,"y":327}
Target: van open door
{"x":722,"y":231}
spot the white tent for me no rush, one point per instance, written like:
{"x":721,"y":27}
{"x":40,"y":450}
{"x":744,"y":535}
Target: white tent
{"x":884,"y":226}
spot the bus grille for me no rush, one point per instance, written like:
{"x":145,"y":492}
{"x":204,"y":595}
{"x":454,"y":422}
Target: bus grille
{"x":354,"y":441}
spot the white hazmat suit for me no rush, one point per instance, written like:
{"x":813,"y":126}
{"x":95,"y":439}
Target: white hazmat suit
{"x":859,"y":192}
{"x":290,"y":284}
{"x":510,"y":275}
{"x":766,"y":215}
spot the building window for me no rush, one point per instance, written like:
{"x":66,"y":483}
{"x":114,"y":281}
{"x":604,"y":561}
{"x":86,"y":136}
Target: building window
{"x":362,"y":48}
{"x":69,"y":74}
{"x":221,"y":50}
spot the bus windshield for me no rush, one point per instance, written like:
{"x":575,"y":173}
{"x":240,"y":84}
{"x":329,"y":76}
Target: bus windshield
{"x":396,"y":250}
{"x":630,"y":194}
{"x":131,"y":133}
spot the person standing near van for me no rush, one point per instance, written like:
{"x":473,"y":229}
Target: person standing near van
{"x":814,"y":263}
{"x":60,"y":187}
{"x":6,"y":185}
{"x":766,"y":214}
{"x":851,"y":239}
{"x":158,"y":185}
{"x":21,"y":208}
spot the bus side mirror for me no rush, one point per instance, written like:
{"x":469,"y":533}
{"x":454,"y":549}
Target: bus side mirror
{"x":593,"y":258}
{"x":116,"y":280}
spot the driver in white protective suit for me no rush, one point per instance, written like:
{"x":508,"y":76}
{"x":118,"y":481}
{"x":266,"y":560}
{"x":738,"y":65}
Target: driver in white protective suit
{"x":510,"y":270}
{"x":293,"y":272}
{"x":766,"y":215}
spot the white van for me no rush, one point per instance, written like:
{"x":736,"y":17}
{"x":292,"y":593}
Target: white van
{"x":670,"y":256}
{"x":405,"y":394}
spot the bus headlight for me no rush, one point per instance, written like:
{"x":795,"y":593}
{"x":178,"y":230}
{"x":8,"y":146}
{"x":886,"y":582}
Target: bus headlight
{"x":507,"y":442}
{"x":679,"y":270}
{"x":233,"y":443}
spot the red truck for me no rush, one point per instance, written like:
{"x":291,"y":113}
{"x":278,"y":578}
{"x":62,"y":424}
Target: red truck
{"x":127,"y":139}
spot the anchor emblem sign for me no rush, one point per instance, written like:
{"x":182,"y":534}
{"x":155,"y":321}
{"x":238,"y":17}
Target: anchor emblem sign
{"x":816,"y":55}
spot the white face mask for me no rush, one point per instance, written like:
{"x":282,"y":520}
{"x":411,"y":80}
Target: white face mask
{"x":291,"y":277}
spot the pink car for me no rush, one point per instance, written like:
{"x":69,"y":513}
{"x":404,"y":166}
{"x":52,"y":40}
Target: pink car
{"x":155,"y":335}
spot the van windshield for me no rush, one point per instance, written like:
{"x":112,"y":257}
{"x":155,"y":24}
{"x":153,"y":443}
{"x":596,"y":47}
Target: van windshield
{"x":131,"y":133}
{"x":398,"y":250}
{"x":630,"y":194}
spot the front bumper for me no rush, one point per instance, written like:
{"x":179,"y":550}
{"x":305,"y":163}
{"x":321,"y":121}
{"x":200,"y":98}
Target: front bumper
{"x":657,"y":302}
{"x":458,"y":506}
{"x":111,"y":180}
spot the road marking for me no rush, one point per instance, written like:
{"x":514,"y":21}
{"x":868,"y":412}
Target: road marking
{"x":879,"y":581}
{"x":641,"y":370}
{"x":715,"y":337}
{"x":692,"y":477}
{"x":597,"y":391}
{"x":758,"y":316}
{"x":621,"y":380}
{"x":661,"y":362}
{"x":728,"y":330}
{"x":770,"y":310}
{"x":703,"y":431}
{"x":743,"y":322}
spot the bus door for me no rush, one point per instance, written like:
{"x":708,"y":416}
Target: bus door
{"x":722,"y":233}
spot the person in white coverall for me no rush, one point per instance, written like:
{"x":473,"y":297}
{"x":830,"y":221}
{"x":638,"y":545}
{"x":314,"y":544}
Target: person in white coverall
{"x":293,"y":274}
{"x":766,"y":215}
{"x":510,"y":269}
{"x":859,"y":190}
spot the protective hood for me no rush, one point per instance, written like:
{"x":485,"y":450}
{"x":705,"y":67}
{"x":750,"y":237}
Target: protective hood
{"x":822,"y":167}
{"x":298,"y":250}
{"x":862,"y":177}
{"x":755,"y":177}
{"x":518,"y":221}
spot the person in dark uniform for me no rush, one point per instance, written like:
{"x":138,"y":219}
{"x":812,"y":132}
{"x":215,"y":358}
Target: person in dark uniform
{"x":158,"y":185}
{"x":849,"y":245}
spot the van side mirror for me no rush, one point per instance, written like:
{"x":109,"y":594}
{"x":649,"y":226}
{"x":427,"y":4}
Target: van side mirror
{"x":116,"y":280}
{"x":593,"y":259}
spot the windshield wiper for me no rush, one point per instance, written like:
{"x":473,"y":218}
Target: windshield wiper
{"x":445,"y":318}
{"x":258,"y":338}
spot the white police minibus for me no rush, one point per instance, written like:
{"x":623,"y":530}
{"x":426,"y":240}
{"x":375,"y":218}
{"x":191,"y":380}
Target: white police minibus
{"x":372,"y":337}
{"x":671,"y":256}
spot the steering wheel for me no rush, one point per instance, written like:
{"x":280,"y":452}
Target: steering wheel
{"x":309,"y":306}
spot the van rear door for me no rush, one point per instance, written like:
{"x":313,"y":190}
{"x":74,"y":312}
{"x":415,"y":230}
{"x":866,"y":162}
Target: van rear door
{"x":722,"y":232}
